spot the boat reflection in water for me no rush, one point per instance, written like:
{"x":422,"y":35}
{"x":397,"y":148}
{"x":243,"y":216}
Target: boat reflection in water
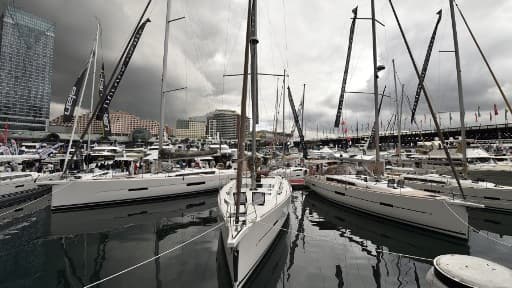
{"x":97,"y":243}
{"x":367,"y":230}
{"x":497,"y":222}
{"x":106,"y":219}
{"x":354,"y":247}
{"x":270,"y":272}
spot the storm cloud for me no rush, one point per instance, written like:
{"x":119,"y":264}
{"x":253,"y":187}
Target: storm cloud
{"x":308,"y":38}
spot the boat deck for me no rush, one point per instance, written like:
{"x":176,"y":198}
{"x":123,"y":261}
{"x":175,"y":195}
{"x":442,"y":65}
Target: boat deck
{"x":377,"y":187}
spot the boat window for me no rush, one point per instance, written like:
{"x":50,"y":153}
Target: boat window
{"x":400,"y":183}
{"x":243,"y":198}
{"x":258,"y":198}
{"x":20,"y":176}
{"x":424,"y":180}
{"x":391,"y":183}
{"x":340,"y":181}
{"x":196,"y":173}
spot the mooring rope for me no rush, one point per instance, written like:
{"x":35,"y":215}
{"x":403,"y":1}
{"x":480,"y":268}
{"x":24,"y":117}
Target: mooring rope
{"x":155,"y":257}
{"x":476,"y":230}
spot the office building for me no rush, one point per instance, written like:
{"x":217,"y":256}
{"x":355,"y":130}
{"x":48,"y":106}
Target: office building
{"x":224,"y":123}
{"x":26,"y":68}
{"x":122,"y":124}
{"x":190,"y":129}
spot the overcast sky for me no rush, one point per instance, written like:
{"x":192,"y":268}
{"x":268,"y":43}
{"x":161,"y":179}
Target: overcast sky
{"x":308,"y":38}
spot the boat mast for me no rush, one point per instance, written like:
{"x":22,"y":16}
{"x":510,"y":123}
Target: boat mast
{"x":485,"y":59}
{"x":400,"y":125}
{"x":284,"y":92}
{"x":76,"y":114}
{"x":253,"y":41}
{"x":427,"y":98}
{"x":459,"y":88}
{"x":241,"y":126}
{"x":302,"y":112}
{"x":93,"y":83}
{"x":399,"y":146}
{"x":164,"y":76}
{"x":375,"y":88}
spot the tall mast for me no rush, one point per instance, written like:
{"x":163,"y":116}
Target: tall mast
{"x":164,"y":76}
{"x":253,"y":41}
{"x":284,"y":89}
{"x":302,"y":112}
{"x":399,"y":144}
{"x":243,"y":115}
{"x":400,"y":125}
{"x":76,"y":114}
{"x":375,"y":86}
{"x":93,"y":83}
{"x":459,"y":88}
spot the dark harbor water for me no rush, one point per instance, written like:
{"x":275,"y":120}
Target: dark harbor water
{"x":337,"y":247}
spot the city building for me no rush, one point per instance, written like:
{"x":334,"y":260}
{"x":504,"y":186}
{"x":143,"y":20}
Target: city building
{"x":26,"y":68}
{"x":190,"y":129}
{"x":122,"y":124}
{"x":224,"y":123}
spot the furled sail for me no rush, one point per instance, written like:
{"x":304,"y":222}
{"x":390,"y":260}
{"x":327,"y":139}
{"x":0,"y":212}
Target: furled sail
{"x":69,"y":106}
{"x":115,"y":84}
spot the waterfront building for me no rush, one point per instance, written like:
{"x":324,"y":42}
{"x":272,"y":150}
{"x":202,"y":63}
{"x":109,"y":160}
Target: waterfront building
{"x":190,"y":129}
{"x":26,"y":68}
{"x":225,"y":123}
{"x":122,"y":124}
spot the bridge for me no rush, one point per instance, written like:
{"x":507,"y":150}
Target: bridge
{"x":480,"y":134}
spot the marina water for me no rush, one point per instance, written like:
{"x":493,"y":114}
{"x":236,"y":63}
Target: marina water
{"x":335,"y":247}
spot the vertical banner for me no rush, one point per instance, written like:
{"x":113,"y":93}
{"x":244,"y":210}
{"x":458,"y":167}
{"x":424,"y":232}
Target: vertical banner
{"x":115,"y":85}
{"x":70,"y":105}
{"x":106,"y":117}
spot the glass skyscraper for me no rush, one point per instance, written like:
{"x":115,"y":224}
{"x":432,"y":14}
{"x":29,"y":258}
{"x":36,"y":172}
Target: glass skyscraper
{"x":26,"y":66}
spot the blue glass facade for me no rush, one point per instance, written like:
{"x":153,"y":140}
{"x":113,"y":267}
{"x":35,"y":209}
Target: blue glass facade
{"x":26,"y":66}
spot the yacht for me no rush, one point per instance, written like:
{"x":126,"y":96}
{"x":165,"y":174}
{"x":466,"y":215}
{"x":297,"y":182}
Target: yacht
{"x":253,"y":208}
{"x":106,"y":188}
{"x":491,"y":195}
{"x":392,"y":200}
{"x":16,"y":187}
{"x":263,"y":212}
{"x":294,"y":175}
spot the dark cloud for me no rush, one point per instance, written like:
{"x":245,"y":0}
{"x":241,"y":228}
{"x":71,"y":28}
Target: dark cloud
{"x":309,"y":38}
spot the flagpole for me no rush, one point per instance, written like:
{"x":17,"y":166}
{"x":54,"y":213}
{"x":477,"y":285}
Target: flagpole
{"x":93,"y":84}
{"x":79,"y":105}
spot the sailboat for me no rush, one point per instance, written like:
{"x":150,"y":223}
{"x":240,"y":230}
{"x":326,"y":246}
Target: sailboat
{"x":391,"y":199}
{"x":253,"y":210}
{"x":106,"y":188}
{"x":473,"y":159}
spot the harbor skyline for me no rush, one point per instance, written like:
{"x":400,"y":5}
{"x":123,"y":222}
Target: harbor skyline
{"x":311,"y":45}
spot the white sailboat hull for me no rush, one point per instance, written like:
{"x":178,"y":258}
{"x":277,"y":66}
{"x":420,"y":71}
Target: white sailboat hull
{"x":432,"y":214}
{"x":11,"y":185}
{"x":255,"y":244}
{"x":245,"y":252}
{"x":97,"y":192}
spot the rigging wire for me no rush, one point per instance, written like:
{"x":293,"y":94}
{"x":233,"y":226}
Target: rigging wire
{"x":155,"y":257}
